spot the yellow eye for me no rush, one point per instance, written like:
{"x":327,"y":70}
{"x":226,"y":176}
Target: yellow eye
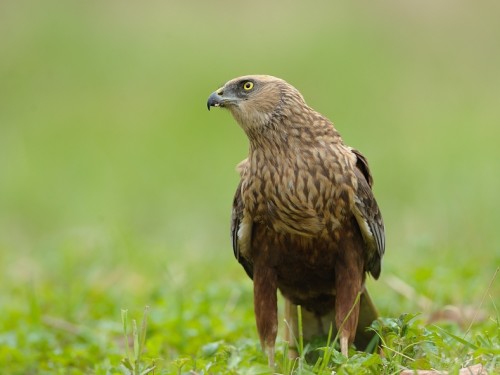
{"x":248,"y":85}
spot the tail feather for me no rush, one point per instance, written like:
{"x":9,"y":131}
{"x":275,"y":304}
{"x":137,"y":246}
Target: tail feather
{"x":367,"y":314}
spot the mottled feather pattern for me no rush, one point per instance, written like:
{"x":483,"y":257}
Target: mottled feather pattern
{"x":304,"y":217}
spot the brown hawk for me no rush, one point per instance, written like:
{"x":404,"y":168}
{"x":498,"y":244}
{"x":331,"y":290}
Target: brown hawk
{"x":304,"y":219}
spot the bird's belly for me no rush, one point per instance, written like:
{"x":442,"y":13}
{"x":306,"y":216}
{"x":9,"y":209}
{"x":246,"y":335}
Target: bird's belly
{"x":309,"y":284}
{"x":305,"y":266}
{"x":305,"y":269}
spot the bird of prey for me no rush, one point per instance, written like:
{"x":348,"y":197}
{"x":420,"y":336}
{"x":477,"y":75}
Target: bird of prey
{"x":304,"y":217}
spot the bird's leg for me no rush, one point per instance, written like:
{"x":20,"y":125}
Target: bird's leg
{"x":265,"y":305}
{"x":270,"y":357}
{"x":344,"y":344}
{"x":348,"y":285}
{"x":291,"y":332}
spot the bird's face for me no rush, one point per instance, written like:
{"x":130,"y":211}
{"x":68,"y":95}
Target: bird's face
{"x":252,"y":100}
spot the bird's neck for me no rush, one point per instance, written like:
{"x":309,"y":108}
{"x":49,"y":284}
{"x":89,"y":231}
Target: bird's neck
{"x":292,"y":136}
{"x":270,"y":140}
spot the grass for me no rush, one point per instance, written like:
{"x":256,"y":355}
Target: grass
{"x":116,"y":183}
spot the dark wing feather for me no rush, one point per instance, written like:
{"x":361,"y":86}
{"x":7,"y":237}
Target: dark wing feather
{"x":368,"y":215}
{"x":236,"y":219}
{"x":362,"y":165}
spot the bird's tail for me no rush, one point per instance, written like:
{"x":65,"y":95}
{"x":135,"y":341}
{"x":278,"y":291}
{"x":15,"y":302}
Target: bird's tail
{"x":367,"y":314}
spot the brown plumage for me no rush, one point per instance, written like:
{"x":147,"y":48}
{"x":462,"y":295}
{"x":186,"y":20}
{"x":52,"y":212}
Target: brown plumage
{"x":304,"y":217}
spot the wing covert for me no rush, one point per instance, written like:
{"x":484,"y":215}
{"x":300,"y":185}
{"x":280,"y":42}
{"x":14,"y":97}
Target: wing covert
{"x":368,"y":215}
{"x":240,"y":232}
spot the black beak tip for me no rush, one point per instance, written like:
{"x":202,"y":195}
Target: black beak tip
{"x":214,"y":100}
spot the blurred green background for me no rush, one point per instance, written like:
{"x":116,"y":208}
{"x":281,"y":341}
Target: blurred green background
{"x":116,"y":181}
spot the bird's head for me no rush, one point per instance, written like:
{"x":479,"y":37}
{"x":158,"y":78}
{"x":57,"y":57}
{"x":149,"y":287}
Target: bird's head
{"x":255,"y":100}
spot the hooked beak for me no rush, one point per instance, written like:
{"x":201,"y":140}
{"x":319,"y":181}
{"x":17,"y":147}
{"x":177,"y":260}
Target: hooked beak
{"x":222,"y":97}
{"x":215,"y":99}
